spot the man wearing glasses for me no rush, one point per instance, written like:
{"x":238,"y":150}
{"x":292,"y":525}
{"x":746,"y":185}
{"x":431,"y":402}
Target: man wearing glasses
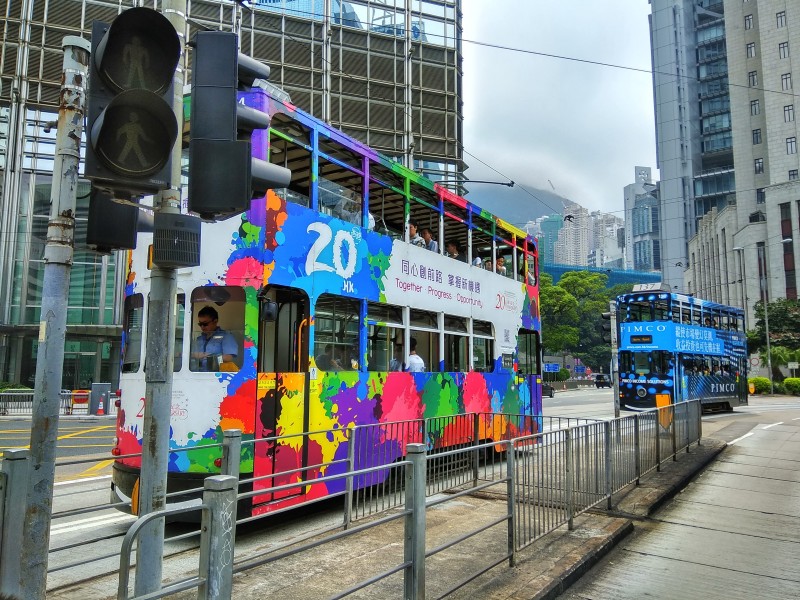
{"x":214,"y":347}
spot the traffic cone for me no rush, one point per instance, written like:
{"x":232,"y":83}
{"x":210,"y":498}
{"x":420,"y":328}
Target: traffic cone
{"x":100,"y":411}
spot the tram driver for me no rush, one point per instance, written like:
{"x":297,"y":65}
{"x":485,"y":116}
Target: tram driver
{"x":214,"y":349}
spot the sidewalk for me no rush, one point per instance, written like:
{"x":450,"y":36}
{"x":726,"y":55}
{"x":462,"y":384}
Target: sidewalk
{"x":543,"y":570}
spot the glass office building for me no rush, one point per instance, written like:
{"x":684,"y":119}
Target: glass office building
{"x":387,"y":72}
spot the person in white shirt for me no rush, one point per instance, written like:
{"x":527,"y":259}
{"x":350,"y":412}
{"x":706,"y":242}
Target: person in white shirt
{"x":415,"y":362}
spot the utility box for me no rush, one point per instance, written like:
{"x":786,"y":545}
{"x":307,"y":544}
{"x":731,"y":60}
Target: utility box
{"x":99,"y":403}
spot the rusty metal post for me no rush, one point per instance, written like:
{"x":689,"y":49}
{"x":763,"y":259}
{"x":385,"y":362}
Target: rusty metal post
{"x":58,"y":255}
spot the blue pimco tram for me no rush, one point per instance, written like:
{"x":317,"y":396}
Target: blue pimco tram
{"x":674,"y":348}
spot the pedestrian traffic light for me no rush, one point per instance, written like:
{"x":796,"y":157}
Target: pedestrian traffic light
{"x":223,"y":175}
{"x":605,"y":327}
{"x":111,"y":225}
{"x":131,"y":124}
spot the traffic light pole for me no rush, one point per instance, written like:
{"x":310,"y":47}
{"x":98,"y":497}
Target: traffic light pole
{"x":58,"y":255}
{"x":160,"y":348}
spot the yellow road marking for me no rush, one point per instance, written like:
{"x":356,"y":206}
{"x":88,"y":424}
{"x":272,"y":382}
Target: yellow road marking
{"x":97,"y":467}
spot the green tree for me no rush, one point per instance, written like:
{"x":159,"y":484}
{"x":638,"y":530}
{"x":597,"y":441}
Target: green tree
{"x":559,"y":314}
{"x":784,"y":326}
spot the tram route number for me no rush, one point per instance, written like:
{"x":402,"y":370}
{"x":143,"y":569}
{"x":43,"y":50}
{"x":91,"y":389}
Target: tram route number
{"x":344,"y":263}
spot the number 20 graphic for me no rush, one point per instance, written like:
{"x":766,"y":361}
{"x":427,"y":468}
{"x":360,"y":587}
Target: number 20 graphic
{"x":325,"y":239}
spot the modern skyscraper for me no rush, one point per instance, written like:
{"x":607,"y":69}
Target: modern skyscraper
{"x":387,"y":73}
{"x":725,"y":89}
{"x":642,"y":223}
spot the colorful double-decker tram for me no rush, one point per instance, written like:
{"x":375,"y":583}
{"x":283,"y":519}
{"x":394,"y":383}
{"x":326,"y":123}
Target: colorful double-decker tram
{"x":332,"y":304}
{"x":674,"y":348}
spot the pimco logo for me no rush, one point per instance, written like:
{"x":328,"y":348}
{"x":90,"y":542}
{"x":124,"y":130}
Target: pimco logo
{"x":647,"y":328}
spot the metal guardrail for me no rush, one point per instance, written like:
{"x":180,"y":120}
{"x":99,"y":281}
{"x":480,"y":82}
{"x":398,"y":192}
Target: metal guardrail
{"x":73,"y":402}
{"x":547,"y":478}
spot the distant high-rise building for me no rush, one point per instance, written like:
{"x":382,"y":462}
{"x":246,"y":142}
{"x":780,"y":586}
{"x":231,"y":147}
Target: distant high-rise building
{"x":643,"y":233}
{"x":738,"y":232}
{"x":549,"y":226}
{"x":572,"y":247}
{"x":604,"y":246}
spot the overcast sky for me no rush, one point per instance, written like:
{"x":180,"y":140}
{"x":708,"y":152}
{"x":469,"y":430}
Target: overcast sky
{"x":541,"y":121}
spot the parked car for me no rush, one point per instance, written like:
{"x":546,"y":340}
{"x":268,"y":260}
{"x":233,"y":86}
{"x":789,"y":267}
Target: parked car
{"x":602,"y":380}
{"x":548,"y":390}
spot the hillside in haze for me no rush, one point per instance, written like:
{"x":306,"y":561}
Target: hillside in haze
{"x":516,"y":205}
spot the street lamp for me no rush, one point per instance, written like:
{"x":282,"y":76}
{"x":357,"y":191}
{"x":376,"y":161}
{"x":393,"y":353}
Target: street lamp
{"x":740,"y":251}
{"x":765,"y":299}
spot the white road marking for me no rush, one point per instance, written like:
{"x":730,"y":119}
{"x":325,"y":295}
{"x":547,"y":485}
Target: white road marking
{"x":739,"y":439}
{"x":84,"y":480}
{"x":91,"y":522}
{"x":773,"y":425}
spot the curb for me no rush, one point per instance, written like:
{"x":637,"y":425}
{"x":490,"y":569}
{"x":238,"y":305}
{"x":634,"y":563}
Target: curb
{"x":575,"y":571}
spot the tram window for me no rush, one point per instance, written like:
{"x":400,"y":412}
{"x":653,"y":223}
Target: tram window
{"x":482,"y":240}
{"x":134,"y":316}
{"x":661,"y":310}
{"x":385,"y":349}
{"x":660,"y":361}
{"x":180,"y":315}
{"x":340,"y":197}
{"x":456,"y":233}
{"x":625,"y":361}
{"x":427,"y":348}
{"x":424,"y":318}
{"x":293,"y":156}
{"x":456,"y":344}
{"x":217,"y":328}
{"x":456,"y":352}
{"x":482,"y":354}
{"x":519,"y":270}
{"x":533,"y":267}
{"x":639,"y":311}
{"x":387,"y":208}
{"x":336,"y":323}
{"x":529,"y":353}
{"x":641,"y":363}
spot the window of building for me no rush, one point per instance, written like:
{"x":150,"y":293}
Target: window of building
{"x":752,"y":79}
{"x":783,"y":50}
{"x":788,"y":113}
{"x":758,"y":165}
{"x":751,"y":50}
{"x":761,"y":196}
{"x":786,"y":81}
{"x":755,"y":107}
{"x":756,"y":136}
{"x":748,"y":21}
{"x":781,"y":18}
{"x":791,"y":145}
{"x":793,"y":175}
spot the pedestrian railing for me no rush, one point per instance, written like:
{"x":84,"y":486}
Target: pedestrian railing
{"x":71,"y":402}
{"x":547,"y":478}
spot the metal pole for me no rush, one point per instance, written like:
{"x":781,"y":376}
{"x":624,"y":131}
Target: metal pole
{"x":569,"y":477}
{"x":609,"y":468}
{"x":614,"y":358}
{"x":13,"y":486}
{"x":231,"y":452}
{"x":218,"y":536}
{"x":58,"y":254}
{"x":160,"y":351}
{"x":511,"y":500}
{"x":415,"y":523}
{"x":637,"y":446}
{"x":765,"y":300}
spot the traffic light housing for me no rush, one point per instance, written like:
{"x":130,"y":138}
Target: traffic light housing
{"x":605,"y":327}
{"x":131,"y":124}
{"x":223,"y":175}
